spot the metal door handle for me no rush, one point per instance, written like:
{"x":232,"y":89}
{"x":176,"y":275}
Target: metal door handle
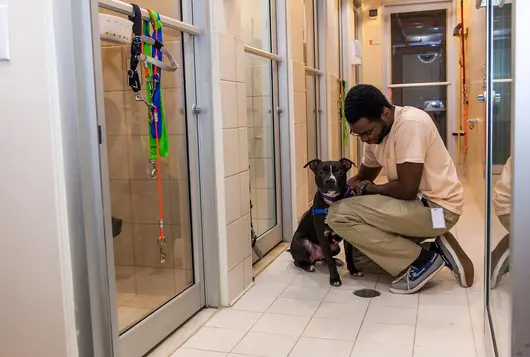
{"x":483,"y":96}
{"x":472,"y":122}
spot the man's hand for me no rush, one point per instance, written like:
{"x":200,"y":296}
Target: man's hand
{"x":360,"y":189}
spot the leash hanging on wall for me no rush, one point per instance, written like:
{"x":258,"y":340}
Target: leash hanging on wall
{"x":147,"y":47}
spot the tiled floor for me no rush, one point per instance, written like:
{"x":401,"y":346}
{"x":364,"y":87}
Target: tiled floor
{"x":293,"y":313}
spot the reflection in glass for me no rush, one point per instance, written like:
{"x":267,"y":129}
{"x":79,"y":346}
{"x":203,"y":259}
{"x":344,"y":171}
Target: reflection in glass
{"x":261,"y":143}
{"x":256,"y":23}
{"x":418,"y":44}
{"x":499,"y":302}
{"x":309,"y":33}
{"x":143,"y":282}
{"x":312,"y":131}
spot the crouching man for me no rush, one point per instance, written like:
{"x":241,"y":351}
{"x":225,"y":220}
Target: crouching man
{"x":422,"y":199}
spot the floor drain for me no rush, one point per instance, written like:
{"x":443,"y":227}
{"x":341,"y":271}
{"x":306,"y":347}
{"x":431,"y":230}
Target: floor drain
{"x":366,"y":293}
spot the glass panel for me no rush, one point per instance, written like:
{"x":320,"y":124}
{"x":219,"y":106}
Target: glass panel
{"x":261,"y":143}
{"x":309,"y":33}
{"x":256,"y":23}
{"x":501,"y":179}
{"x":143,"y":281}
{"x":418,"y":41}
{"x":433,"y":100}
{"x":312,"y":130}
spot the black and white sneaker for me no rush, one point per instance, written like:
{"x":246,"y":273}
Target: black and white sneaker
{"x":415,"y":278}
{"x":500,"y":261}
{"x":455,"y":258}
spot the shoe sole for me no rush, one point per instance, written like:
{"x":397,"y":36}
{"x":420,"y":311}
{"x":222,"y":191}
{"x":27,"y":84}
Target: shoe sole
{"x":462,"y":261}
{"x":498,"y":257}
{"x":420,"y":285}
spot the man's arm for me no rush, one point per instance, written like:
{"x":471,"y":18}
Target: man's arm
{"x":365,"y":173}
{"x":407,"y":185}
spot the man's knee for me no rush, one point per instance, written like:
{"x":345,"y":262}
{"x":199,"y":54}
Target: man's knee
{"x":340,"y":215}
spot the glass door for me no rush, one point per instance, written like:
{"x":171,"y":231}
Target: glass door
{"x":499,"y":170}
{"x":157,"y":287}
{"x":419,"y":42}
{"x":263,"y":129}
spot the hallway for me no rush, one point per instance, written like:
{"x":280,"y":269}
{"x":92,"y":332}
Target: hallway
{"x":292,"y":313}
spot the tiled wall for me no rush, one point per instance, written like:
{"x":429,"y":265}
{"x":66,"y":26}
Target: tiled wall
{"x":133,"y":191}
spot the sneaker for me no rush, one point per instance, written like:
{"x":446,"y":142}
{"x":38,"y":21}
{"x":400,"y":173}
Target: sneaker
{"x":414,"y":278}
{"x":500,"y":262}
{"x":456,"y":259}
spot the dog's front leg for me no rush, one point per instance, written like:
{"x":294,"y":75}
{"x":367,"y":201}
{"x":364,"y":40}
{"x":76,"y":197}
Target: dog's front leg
{"x":320,"y":227}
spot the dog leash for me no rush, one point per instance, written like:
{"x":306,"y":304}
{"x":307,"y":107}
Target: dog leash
{"x":151,"y":53}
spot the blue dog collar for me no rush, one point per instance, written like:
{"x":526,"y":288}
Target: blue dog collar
{"x":317,"y":211}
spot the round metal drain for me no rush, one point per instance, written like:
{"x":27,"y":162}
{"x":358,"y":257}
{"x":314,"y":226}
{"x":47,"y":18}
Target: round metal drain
{"x":366,"y":293}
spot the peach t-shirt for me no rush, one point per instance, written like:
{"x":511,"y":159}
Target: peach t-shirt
{"x":415,"y":138}
{"x":502,"y":192}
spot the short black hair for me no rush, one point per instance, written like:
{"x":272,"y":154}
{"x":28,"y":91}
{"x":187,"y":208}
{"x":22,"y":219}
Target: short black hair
{"x":364,"y":101}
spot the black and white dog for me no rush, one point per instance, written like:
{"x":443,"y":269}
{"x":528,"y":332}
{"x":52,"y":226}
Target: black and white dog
{"x":313,"y":240}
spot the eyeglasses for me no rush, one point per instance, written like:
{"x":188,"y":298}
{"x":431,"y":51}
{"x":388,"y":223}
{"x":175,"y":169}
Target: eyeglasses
{"x":367,"y":134}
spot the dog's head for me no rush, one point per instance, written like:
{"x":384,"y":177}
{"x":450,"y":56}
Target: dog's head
{"x":330,"y":176}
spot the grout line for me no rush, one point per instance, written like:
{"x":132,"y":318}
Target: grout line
{"x":364,"y":317}
{"x":416,"y":325}
{"x":471,"y":324}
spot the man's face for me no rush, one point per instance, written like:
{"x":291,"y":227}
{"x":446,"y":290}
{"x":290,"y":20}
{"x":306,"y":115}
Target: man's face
{"x":371,"y":131}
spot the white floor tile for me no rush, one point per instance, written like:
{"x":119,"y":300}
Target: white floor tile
{"x":268,"y":288}
{"x":281,"y":324}
{"x":363,"y":349}
{"x":454,"y":351}
{"x":304,"y":292}
{"x":254,"y":302}
{"x":345,"y":330}
{"x":392,"y":334}
{"x":442,"y":336}
{"x":391,"y":315}
{"x":355,"y":282}
{"x":215,"y":339}
{"x":430,"y":315}
{"x":316,"y":347}
{"x":294,"y":307}
{"x":396,"y":300}
{"x":186,"y":352}
{"x":345,"y":297}
{"x":335,"y":311}
{"x":444,"y":300}
{"x":265,"y":345}
{"x":443,"y":287}
{"x":314,"y":280}
{"x":234,"y":319}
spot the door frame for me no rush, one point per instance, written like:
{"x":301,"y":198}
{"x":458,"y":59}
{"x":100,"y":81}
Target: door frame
{"x":452,"y":83}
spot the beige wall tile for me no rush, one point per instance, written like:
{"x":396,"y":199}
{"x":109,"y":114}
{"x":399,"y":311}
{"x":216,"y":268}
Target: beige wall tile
{"x":265,"y":173}
{"x":231,"y":151}
{"x":300,"y":109}
{"x":123,"y":247}
{"x":144,"y":202}
{"x":243,"y":149}
{"x":236,"y":284}
{"x":265,"y":203}
{"x":233,"y":198}
{"x":183,"y":280}
{"x":155,"y":281}
{"x":301,"y":200}
{"x":113,"y":71}
{"x":146,"y":251}
{"x":245,"y":194}
{"x":174,"y":79}
{"x":139,"y":166}
{"x":180,"y":206}
{"x":242,"y":105}
{"x":120,"y":199}
{"x":125,"y":279}
{"x":300,"y":137}
{"x":136,"y":115}
{"x":115,"y":113}
{"x":299,"y":76}
{"x":241,"y":62}
{"x":300,"y":161}
{"x":238,"y":241}
{"x":175,"y":111}
{"x":178,"y":158}
{"x":248,"y":273}
{"x":229,"y":97}
{"x":251,"y":143}
{"x":117,"y":154}
{"x":227,"y":57}
{"x":182,"y":252}
{"x":263,"y":142}
{"x":296,"y":23}
{"x":227,"y":17}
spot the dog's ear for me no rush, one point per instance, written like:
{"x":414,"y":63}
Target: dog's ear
{"x":313,"y":164}
{"x":347,"y":163}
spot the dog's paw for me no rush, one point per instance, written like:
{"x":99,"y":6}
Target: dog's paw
{"x":359,"y":273}
{"x":334,"y":280}
{"x":310,"y":268}
{"x":339,"y":262}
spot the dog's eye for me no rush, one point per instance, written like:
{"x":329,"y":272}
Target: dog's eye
{"x":339,"y":172}
{"x":321,"y":173}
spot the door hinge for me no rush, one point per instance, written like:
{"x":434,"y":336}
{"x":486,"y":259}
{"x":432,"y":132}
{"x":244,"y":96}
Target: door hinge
{"x":100,"y":138}
{"x":196,"y":109}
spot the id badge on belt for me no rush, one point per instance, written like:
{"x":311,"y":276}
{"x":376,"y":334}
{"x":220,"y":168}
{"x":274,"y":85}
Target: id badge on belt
{"x":437,"y":217}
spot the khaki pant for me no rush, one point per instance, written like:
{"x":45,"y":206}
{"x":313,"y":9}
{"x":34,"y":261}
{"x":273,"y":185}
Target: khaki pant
{"x":386,"y":229}
{"x":505,"y":221}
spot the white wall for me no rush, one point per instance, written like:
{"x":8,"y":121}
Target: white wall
{"x":35,"y":279}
